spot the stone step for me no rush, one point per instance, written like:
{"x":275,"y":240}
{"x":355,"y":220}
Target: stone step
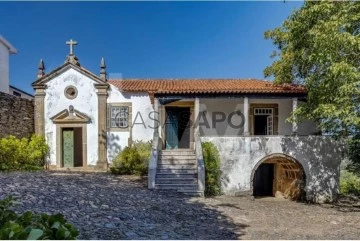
{"x":177,"y":152}
{"x":177,"y":157}
{"x":193,"y":193}
{"x":178,"y":149}
{"x":176,"y":162}
{"x":176,"y":180}
{"x":178,"y":187}
{"x":175,"y":175}
{"x":177,"y":166}
{"x":176,"y":171}
{"x":189,"y":193}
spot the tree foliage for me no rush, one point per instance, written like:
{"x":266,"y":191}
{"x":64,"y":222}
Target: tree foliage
{"x":319,"y":46}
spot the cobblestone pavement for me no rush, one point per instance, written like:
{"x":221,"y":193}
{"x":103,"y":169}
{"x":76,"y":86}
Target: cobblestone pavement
{"x":104,"y":206}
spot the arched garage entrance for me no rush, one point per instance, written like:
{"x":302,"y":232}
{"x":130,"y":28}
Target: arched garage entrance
{"x":279,"y":176}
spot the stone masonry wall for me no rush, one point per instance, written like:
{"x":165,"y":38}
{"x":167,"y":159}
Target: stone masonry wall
{"x":16,"y":116}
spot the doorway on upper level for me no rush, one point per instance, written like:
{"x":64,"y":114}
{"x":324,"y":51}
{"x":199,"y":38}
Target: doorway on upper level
{"x":177,"y":127}
{"x":263,"y":121}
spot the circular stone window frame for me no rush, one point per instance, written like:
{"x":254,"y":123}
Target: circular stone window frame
{"x":67,"y":95}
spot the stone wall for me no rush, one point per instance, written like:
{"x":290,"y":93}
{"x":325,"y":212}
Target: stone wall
{"x":319,"y":156}
{"x":16,"y":116}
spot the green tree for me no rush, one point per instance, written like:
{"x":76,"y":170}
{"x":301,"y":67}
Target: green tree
{"x":318,"y":45}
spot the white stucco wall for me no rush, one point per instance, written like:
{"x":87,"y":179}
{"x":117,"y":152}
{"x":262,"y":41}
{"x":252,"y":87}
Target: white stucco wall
{"x":228,"y":106}
{"x":85,"y":102}
{"x":141,"y":123}
{"x":221,"y":128}
{"x":319,"y":156}
{"x":4,"y":68}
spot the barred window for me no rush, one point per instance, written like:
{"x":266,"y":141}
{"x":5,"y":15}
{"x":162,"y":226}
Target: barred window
{"x":119,"y":116}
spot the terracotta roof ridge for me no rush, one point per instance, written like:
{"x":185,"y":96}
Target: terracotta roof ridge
{"x":189,"y":79}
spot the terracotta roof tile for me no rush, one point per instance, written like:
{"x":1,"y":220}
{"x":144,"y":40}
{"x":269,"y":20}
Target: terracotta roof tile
{"x":205,"y":86}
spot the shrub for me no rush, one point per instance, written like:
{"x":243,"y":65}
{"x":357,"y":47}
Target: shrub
{"x":212,"y":169}
{"x":133,"y":159}
{"x":354,"y":154}
{"x":23,"y":154}
{"x":349,"y":183}
{"x":33,"y":226}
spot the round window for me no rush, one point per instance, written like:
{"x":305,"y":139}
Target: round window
{"x":70,"y":92}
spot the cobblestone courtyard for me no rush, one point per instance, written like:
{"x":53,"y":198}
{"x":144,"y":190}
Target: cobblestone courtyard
{"x":104,"y":206}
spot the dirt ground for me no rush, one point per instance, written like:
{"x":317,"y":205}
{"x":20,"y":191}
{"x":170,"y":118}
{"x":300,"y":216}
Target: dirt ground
{"x":104,"y":206}
{"x":272,"y":218}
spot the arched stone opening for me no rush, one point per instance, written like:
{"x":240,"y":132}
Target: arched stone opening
{"x":279,"y":176}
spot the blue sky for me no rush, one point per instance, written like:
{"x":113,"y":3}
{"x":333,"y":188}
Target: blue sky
{"x":143,"y":39}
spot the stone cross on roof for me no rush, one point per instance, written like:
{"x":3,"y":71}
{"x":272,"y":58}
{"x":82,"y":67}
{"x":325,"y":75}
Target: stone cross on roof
{"x":71,"y":43}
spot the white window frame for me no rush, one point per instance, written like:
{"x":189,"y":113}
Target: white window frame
{"x":270,"y":120}
{"x":264,"y":111}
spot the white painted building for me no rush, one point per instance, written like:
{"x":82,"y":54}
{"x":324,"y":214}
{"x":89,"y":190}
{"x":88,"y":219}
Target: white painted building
{"x":20,"y":93}
{"x":88,"y":120}
{"x":6,"y":49}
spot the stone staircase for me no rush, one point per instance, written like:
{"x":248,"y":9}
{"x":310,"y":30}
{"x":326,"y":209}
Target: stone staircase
{"x":177,"y":171}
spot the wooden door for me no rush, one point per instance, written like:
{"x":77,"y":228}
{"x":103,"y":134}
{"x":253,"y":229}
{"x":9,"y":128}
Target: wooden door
{"x":171,"y":129}
{"x":68,"y":147}
{"x":78,"y":148}
{"x":184,"y":127}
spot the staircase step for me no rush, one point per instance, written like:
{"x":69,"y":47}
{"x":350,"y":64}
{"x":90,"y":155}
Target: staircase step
{"x":178,"y":187}
{"x":177,"y":166}
{"x":176,"y":180}
{"x":177,"y":152}
{"x":193,"y":194}
{"x":176,"y":162}
{"x":176,"y":171}
{"x":175,"y":175}
{"x":177,"y":157}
